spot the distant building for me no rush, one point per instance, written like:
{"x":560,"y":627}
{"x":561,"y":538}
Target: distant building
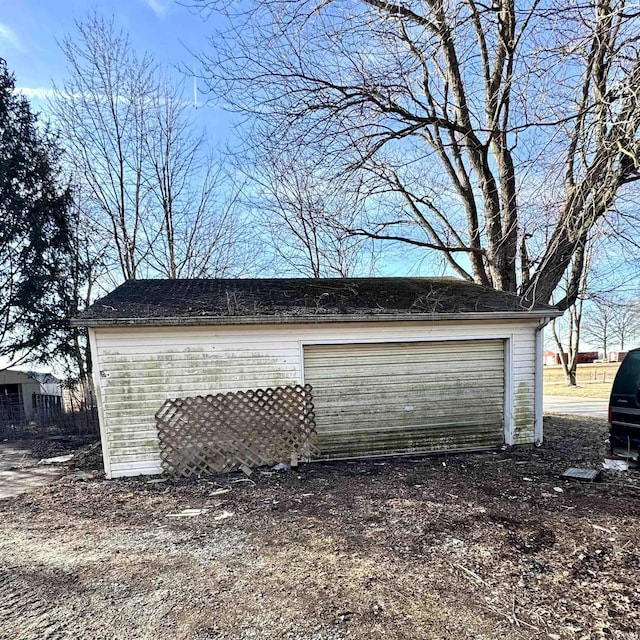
{"x":617,"y":356}
{"x":584,"y":357}
{"x":28,"y":395}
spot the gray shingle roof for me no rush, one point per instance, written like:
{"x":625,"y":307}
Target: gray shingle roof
{"x":43,"y":378}
{"x":296,"y":299}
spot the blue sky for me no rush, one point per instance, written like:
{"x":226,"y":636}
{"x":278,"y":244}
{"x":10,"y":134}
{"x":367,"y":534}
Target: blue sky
{"x":30,"y":30}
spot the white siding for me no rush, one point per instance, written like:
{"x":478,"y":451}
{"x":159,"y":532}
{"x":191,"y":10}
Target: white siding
{"x":28,"y":389}
{"x":137,"y":368}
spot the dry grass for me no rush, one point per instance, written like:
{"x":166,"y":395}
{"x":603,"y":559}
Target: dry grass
{"x":593,"y":380}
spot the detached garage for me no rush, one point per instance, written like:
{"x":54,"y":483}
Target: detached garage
{"x":394,"y":365}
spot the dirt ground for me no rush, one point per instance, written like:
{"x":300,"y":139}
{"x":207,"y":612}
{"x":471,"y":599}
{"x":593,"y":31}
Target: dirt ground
{"x":21,"y":469}
{"x":490,"y":545}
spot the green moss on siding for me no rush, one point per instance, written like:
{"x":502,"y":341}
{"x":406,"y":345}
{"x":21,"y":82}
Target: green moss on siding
{"x":523,"y":413}
{"x":140,"y":378}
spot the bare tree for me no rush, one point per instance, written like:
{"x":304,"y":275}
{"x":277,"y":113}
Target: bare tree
{"x":601,"y":311}
{"x":194,"y":202}
{"x":626,"y":323}
{"x":158,"y":202}
{"x":305,"y":218}
{"x":572,"y":321}
{"x":463,"y":111}
{"x":101,"y":111}
{"x":599,"y":323}
{"x":611,"y":320}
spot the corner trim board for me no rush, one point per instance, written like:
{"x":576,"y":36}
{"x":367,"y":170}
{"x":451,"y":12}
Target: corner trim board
{"x":97,"y":383}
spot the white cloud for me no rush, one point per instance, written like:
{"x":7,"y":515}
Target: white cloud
{"x":36,"y":93}
{"x":9,"y":37}
{"x":159,"y":7}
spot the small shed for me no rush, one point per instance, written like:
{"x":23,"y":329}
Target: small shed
{"x":396,"y":365}
{"x":28,"y":395}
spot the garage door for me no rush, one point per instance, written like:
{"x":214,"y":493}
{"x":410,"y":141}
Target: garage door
{"x":383,"y":399}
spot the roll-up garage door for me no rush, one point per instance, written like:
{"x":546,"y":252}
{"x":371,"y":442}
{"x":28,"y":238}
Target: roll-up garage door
{"x":394,"y":398}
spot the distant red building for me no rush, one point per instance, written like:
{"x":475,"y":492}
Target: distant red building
{"x":584,"y":357}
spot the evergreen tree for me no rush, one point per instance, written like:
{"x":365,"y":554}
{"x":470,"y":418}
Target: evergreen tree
{"x":36,"y":236}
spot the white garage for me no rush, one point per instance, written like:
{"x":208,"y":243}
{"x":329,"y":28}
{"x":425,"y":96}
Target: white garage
{"x":395,"y":365}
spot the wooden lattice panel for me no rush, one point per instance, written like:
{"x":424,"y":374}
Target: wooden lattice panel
{"x":246,"y":429}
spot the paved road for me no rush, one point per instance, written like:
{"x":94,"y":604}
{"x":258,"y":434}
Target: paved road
{"x":592,"y":407}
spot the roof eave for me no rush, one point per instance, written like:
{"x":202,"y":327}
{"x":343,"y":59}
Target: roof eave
{"x":312,"y":319}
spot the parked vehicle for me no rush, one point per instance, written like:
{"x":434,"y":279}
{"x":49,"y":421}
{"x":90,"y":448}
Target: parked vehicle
{"x":624,"y":408}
